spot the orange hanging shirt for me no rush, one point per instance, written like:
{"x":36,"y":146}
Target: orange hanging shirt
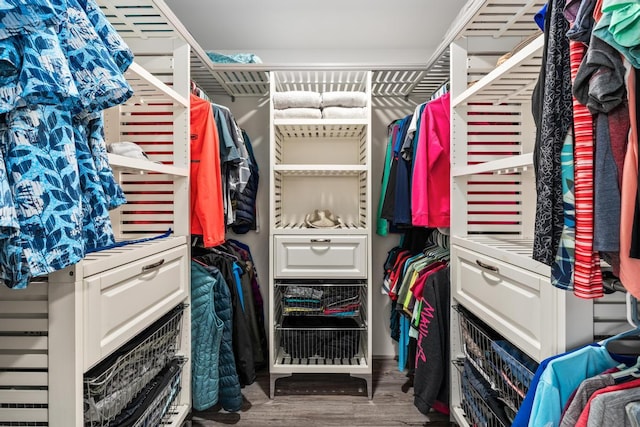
{"x":207,"y":210}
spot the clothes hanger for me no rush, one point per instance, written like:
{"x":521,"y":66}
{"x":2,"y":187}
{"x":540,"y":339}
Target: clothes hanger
{"x":219,"y":250}
{"x":629,"y":371}
{"x":197,"y":261}
{"x":627,"y":342}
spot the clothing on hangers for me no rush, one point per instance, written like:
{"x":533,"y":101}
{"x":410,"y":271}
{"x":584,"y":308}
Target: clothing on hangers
{"x":207,"y":211}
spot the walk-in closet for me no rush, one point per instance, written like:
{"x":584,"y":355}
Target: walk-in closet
{"x":343,"y":213}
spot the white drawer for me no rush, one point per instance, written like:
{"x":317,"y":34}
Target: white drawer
{"x":515,"y":302}
{"x":320,"y":256}
{"x":121,"y":302}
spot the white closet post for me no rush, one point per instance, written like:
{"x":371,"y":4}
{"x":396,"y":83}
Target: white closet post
{"x":458,"y":129}
{"x":458,"y":154}
{"x":66,"y":348}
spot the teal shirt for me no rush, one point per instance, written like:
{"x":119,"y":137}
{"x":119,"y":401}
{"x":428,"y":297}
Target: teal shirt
{"x":562,"y":376}
{"x":382,"y":225}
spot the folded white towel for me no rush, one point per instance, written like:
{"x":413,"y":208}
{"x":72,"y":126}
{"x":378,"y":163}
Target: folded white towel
{"x":344,"y":113}
{"x":298,"y":113}
{"x":344,"y":99}
{"x":296,"y":99}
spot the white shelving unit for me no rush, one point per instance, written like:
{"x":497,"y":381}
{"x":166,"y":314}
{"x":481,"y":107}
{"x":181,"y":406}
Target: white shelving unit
{"x":320,"y":165}
{"x":58,"y":328}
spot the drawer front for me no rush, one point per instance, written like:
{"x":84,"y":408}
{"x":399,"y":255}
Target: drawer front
{"x":320,"y":256}
{"x":514,"y":302}
{"x":121,"y":302}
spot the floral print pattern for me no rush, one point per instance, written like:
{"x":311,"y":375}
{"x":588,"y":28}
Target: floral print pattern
{"x":61,"y":65}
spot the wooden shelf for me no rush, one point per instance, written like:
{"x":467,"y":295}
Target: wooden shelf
{"x":130,"y":164}
{"x":510,"y":249}
{"x":325,"y":124}
{"x":320,"y":170}
{"x":512,"y":81}
{"x":521,"y":163}
{"x":149,"y":89}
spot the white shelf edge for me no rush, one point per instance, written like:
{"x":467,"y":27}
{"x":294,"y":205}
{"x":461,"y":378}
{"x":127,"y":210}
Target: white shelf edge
{"x":315,"y":122}
{"x":137,"y":70}
{"x":519,"y":163}
{"x":97,"y":262}
{"x":491,"y":245}
{"x":500,"y":71}
{"x":280,"y":231}
{"x":326,"y":169}
{"x":130,"y":164}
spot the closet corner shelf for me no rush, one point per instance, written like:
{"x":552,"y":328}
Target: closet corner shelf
{"x":513,"y":164}
{"x":129,"y":164}
{"x":320,"y":170}
{"x":511,"y":81}
{"x":150,"y":89}
{"x":513,"y":250}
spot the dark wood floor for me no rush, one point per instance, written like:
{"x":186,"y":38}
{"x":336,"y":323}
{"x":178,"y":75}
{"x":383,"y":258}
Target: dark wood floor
{"x":327,"y":400}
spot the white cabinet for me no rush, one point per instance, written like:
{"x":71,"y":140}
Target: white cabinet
{"x":320,"y":167}
{"x":321,"y":256}
{"x":121,"y":302}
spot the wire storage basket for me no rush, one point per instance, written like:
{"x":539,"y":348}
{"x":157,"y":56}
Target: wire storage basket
{"x":480,"y":402}
{"x":503,"y":365}
{"x":328,"y":338}
{"x":332,"y":298}
{"x":115,"y":382}
{"x":169,"y":390}
{"x":320,"y":321}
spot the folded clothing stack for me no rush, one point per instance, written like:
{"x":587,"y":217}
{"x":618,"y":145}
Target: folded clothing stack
{"x":345,"y":302}
{"x":297,"y":104}
{"x":300,"y":104}
{"x":344,"y":105}
{"x":302,"y":300}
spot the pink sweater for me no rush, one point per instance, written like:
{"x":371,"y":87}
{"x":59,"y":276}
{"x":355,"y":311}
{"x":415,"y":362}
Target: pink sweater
{"x":430,"y":194}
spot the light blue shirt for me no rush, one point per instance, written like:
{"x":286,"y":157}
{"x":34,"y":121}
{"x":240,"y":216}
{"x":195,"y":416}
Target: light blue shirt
{"x":562,"y":376}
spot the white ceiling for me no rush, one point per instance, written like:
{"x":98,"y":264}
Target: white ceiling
{"x":371,"y":32}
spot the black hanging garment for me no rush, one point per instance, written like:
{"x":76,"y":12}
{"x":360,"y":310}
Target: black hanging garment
{"x":552,"y":105}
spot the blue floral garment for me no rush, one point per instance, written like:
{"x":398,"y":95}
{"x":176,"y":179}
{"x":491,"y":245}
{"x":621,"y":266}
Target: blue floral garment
{"x":8,"y":217}
{"x":10,"y":65}
{"x":45,"y":77}
{"x":34,"y":70}
{"x":96,"y":224}
{"x":38,"y":146}
{"x":112,"y":191}
{"x":10,"y":62}
{"x":100,"y":82}
{"x":22,"y":16}
{"x":116,"y":46}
